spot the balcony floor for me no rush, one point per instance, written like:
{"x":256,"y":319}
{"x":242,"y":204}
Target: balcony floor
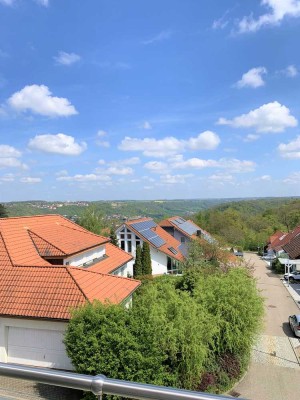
{"x":11,"y":388}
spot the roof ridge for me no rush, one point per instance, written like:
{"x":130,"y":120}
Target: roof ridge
{"x":32,"y":216}
{"x":81,"y":228}
{"x":7,"y":252}
{"x":76,"y":283}
{"x":29,"y":230}
{"x":98,"y":273}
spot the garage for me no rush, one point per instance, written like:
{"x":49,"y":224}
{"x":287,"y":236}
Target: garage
{"x":37,"y":347}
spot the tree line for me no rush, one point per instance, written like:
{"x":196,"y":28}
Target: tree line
{"x":249,"y":223}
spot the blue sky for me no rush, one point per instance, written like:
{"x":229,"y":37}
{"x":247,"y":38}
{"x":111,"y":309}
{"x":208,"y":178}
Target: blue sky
{"x":116,"y":99}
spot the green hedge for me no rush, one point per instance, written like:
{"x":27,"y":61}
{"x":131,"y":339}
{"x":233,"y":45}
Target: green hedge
{"x":195,"y":336}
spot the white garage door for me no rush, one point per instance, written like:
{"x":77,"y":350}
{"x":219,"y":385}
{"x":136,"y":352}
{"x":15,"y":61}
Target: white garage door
{"x":38,"y":347}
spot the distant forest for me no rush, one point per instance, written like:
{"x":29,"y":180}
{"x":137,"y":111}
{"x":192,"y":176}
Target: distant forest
{"x":248,"y":223}
{"x":243,"y":223}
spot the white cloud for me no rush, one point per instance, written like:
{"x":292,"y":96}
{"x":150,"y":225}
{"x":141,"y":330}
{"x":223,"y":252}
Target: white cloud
{"x":84,"y":178}
{"x":278,"y":10}
{"x":221,"y":178}
{"x":7,"y":2}
{"x":39,"y":100}
{"x":146,"y":125}
{"x":30,"y":180}
{"x":163,"y":35}
{"x":103,"y":143}
{"x":291,"y":71}
{"x":9,"y":157}
{"x":222,"y":22}
{"x":290,"y":150}
{"x":130,"y":161}
{"x":58,"y":144}
{"x":44,"y":3}
{"x":252,"y":78}
{"x":119,"y":171}
{"x":174,"y":179}
{"x":170,"y":145}
{"x":64,"y":58}
{"x":157,"y":167}
{"x":101,"y":133}
{"x":271,"y":117}
{"x":265,"y":178}
{"x":232,"y":164}
{"x":7,"y":178}
{"x":293,"y":178}
{"x":251,"y":137}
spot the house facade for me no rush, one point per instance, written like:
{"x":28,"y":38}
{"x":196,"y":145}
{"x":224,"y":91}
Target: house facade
{"x":165,"y":252}
{"x":49,"y":266}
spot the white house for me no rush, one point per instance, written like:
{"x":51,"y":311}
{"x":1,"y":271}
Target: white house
{"x":49,"y":265}
{"x":165,"y":252}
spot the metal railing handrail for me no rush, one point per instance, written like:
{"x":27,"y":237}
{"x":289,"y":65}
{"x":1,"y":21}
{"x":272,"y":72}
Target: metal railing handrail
{"x":100,"y":384}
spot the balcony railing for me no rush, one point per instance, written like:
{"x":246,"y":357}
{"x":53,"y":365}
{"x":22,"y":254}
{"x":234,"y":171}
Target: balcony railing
{"x":99,"y":384}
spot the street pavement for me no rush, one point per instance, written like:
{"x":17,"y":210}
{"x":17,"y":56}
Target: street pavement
{"x":274,"y":371}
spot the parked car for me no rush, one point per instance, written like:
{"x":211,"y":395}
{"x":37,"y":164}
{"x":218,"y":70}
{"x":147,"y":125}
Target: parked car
{"x":293,"y":276}
{"x":268,"y":257}
{"x":239,"y":254}
{"x":294,"y":321}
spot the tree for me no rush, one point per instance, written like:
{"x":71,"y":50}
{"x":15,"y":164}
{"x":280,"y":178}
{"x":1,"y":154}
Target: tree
{"x":146,"y":260}
{"x":3,"y":211}
{"x":137,"y":266}
{"x":113,"y":237}
{"x":92,"y":220}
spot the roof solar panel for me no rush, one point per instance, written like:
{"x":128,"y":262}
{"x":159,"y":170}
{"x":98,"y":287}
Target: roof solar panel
{"x":179,"y":220}
{"x":157,"y":241}
{"x":172,"y":250}
{"x":148,"y":234}
{"x":140,"y":226}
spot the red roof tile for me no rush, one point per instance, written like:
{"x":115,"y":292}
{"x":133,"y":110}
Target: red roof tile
{"x":31,"y":287}
{"x":293,"y":247}
{"x":21,"y":237}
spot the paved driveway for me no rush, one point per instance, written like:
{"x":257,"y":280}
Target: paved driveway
{"x":274,"y":372}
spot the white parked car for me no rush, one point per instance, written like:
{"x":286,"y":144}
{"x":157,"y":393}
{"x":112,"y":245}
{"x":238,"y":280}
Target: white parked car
{"x":294,"y":321}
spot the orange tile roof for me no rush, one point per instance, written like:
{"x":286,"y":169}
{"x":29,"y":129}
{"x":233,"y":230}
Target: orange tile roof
{"x":116,"y":257}
{"x":169,"y":239}
{"x":27,"y":238}
{"x":41,"y":290}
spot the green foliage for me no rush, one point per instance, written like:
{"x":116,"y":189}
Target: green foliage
{"x":3,"y":211}
{"x":113,"y":237}
{"x":146,"y":260}
{"x":137,"y":266}
{"x":249,"y":223}
{"x":92,"y":220}
{"x":278,"y":267}
{"x":173,"y":335}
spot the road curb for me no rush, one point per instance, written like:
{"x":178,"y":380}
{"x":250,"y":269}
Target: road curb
{"x":292,"y":292}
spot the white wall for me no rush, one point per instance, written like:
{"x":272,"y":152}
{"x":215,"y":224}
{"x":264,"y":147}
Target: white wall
{"x":86,"y":256}
{"x":5,"y":323}
{"x":158,"y":258}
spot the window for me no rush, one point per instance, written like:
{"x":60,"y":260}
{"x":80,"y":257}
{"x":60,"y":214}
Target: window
{"x":137,"y":242}
{"x":122,"y":236}
{"x":122,"y":244}
{"x":182,"y":239}
{"x":129,"y":235}
{"x":129,"y":247}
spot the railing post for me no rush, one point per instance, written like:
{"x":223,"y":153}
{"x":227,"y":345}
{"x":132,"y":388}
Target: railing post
{"x":97,"y":386}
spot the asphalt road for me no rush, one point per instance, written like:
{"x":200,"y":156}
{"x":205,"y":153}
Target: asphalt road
{"x":274,"y":371}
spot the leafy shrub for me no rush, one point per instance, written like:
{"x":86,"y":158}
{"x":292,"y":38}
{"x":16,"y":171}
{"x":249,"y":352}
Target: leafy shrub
{"x":193,"y":332}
